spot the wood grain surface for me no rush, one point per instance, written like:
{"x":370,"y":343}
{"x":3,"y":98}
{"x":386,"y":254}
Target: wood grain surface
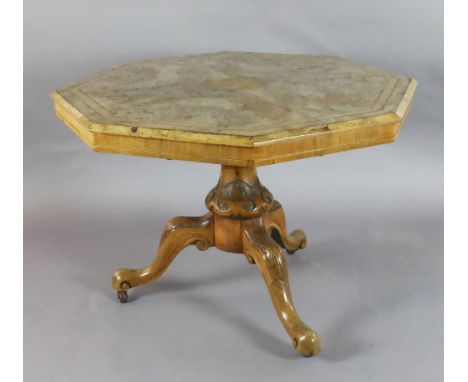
{"x":233,"y":108}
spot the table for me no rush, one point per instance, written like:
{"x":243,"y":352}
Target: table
{"x":242,"y":111}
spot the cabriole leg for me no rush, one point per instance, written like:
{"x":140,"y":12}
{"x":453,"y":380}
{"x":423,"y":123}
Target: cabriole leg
{"x":271,"y":262}
{"x":275,"y":222}
{"x":178,"y":233}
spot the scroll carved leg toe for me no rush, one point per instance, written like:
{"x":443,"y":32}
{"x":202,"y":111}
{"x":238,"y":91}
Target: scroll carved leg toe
{"x":275,"y":222}
{"x":178,"y":233}
{"x":271,"y":262}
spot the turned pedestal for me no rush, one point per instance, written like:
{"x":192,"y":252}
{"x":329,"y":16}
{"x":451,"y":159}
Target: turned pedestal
{"x":243,"y":218}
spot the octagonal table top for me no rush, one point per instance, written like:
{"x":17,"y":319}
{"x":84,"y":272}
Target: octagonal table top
{"x":236,"y":108}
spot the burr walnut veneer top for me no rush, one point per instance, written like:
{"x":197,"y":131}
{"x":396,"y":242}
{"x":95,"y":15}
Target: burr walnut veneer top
{"x":233,"y":108}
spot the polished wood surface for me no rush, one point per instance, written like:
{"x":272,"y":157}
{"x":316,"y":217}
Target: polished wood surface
{"x":243,"y":218}
{"x":178,"y":233}
{"x":274,"y":221}
{"x":238,"y":109}
{"x":269,"y":257}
